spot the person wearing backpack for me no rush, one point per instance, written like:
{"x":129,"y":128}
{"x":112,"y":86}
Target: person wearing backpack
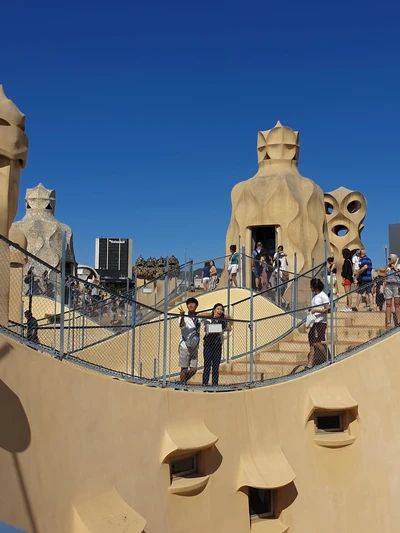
{"x":256,"y":264}
{"x":189,"y":344}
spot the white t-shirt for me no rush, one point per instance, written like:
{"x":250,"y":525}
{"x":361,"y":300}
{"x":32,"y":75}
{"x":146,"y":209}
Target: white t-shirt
{"x":282,"y":262}
{"x":356,"y":262}
{"x":189,"y":326}
{"x":320,"y":300}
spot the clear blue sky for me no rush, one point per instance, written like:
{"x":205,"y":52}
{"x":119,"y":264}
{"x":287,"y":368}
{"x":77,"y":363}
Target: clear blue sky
{"x":144,"y":115}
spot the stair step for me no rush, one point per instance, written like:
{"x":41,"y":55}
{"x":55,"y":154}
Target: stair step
{"x":364,"y":318}
{"x":302,"y":346}
{"x":351,"y":334}
{"x":270,"y":368}
{"x":284,"y":357}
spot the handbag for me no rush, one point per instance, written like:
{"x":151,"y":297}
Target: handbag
{"x":310,"y":320}
{"x":285,"y":275}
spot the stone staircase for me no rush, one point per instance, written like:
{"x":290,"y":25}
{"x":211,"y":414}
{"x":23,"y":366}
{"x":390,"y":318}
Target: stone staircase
{"x":280,"y":359}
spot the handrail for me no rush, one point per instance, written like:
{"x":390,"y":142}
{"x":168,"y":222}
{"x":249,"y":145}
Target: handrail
{"x":81,"y":322}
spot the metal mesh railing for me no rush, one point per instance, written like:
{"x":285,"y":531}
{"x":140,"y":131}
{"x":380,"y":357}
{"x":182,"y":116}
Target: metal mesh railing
{"x":33,"y":289}
{"x":262,"y":337}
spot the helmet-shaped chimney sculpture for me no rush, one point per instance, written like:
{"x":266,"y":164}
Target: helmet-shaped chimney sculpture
{"x":278,"y":206}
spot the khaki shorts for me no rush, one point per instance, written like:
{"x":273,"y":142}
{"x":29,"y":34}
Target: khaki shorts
{"x":187,"y":358}
{"x":392,"y":291}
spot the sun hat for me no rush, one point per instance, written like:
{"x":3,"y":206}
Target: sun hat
{"x":381,"y":272}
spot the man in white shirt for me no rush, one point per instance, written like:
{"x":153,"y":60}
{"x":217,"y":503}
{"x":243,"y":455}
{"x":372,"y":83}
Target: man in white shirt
{"x":190,"y":327}
{"x":356,"y":266}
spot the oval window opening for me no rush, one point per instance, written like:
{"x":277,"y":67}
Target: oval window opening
{"x":328,"y":208}
{"x":354,"y":206}
{"x":340,"y":231}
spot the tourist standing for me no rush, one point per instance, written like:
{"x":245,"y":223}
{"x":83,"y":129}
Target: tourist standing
{"x":95,"y":291}
{"x":205,"y":276}
{"x":233,"y":265}
{"x":188,"y":348}
{"x":281,"y":257}
{"x":256,"y":264}
{"x":317,"y":332}
{"x":31,"y":327}
{"x":267,"y":269}
{"x":29,"y":280}
{"x":379,"y":288}
{"x":281,"y":265}
{"x":392,"y":289}
{"x":364,"y":281}
{"x":213,"y":341}
{"x":356,"y":266}
{"x":347,"y":275}
{"x":331,"y":266}
{"x":213,"y":276}
{"x":45,"y":283}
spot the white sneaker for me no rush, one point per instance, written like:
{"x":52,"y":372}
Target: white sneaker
{"x":346,"y":310}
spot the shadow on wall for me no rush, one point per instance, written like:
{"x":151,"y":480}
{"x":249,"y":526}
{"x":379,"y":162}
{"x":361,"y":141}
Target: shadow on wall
{"x":15,"y":436}
{"x":212,"y":460}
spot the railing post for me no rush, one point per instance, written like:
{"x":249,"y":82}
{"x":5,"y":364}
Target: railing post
{"x":62,"y":303}
{"x":83,"y":314}
{"x":295,"y":290}
{"x":243,"y":267}
{"x":73,"y":325}
{"x":251,"y":336}
{"x":165,"y":347}
{"x":191,"y":273}
{"x":312,"y":273}
{"x":127,"y":302}
{"x":22,"y":319}
{"x":332,"y":304}
{"x":240,"y":264}
{"x":185,"y":273}
{"x":133,"y":322}
{"x":278,"y":281}
{"x":69,"y":317}
{"x":229,"y":312}
{"x":325,"y":260}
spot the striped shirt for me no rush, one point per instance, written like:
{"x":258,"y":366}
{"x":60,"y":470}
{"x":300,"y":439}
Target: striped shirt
{"x":366,"y":275}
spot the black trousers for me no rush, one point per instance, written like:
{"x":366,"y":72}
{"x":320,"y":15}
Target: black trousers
{"x":212,"y":358}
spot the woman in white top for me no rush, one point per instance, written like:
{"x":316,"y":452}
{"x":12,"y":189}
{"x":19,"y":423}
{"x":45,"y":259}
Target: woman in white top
{"x":356,"y":266}
{"x":392,"y":289}
{"x":317,"y":332}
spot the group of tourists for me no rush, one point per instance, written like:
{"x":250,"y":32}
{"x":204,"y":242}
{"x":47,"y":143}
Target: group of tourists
{"x":381,"y":293}
{"x":209,"y":276}
{"x":264,"y":267}
{"x":38,"y":286}
{"x":216,"y":323}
